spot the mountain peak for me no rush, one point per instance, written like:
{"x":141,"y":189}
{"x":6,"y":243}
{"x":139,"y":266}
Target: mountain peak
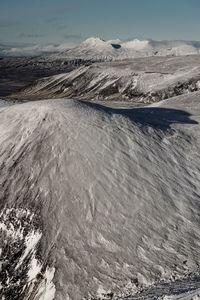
{"x":97,"y":49}
{"x":93,"y":41}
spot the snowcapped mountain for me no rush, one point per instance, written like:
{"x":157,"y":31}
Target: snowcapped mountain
{"x":16,"y":73}
{"x":99,"y":203}
{"x":97,"y":49}
{"x":142,"y":80}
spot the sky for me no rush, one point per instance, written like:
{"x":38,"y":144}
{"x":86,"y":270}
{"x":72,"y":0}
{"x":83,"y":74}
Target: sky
{"x":68,"y":22}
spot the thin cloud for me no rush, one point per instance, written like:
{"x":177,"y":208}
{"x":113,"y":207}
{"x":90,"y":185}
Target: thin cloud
{"x":72,"y":36}
{"x":8,"y":45}
{"x":52,"y":20}
{"x":60,"y":27}
{"x":4,"y":23}
{"x":34,"y":50}
{"x":31,"y":35}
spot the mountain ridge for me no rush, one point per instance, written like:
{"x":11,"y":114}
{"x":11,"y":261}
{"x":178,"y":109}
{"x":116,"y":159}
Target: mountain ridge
{"x":96,"y":48}
{"x":142,"y":80}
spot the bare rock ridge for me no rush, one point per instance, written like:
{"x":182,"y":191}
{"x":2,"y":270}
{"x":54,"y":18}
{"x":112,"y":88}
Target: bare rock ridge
{"x":99,"y":203}
{"x":142,"y":80}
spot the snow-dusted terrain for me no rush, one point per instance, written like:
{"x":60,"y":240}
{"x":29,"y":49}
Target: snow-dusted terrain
{"x":98,"y":202}
{"x":16,"y":73}
{"x":142,"y":80}
{"x":97,"y":49}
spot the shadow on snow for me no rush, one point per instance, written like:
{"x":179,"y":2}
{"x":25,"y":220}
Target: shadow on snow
{"x":156,"y":117}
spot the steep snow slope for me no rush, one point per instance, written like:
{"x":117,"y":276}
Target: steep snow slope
{"x":98,"y":201}
{"x":143,"y":80}
{"x":98,"y":49}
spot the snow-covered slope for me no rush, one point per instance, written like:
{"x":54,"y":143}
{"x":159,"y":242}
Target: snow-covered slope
{"x":99,"y":202}
{"x":97,"y":49}
{"x":143,"y":80}
{"x":16,"y":73}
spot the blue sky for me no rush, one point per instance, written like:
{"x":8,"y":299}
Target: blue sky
{"x":71,"y":21}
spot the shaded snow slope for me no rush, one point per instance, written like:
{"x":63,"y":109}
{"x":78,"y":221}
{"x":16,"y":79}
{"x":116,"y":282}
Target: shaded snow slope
{"x":98,"y":49}
{"x":98,"y":202}
{"x":143,"y":80}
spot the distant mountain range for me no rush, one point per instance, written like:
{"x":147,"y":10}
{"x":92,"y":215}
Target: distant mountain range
{"x":20,"y":72}
{"x":98,"y":49}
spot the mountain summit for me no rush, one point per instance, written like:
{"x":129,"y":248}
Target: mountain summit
{"x":95,"y":48}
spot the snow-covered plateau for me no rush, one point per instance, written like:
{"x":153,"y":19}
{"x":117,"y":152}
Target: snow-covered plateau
{"x":99,"y":202}
{"x":142,"y":80}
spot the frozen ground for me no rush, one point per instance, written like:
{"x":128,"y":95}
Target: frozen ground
{"x":100,"y":203}
{"x":142,"y":80}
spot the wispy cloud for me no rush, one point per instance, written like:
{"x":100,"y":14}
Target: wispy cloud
{"x":30,"y":35}
{"x":32,"y":50}
{"x":5,"y":23}
{"x":8,"y":45}
{"x":73,"y":36}
{"x":60,"y":27}
{"x":52,"y":20}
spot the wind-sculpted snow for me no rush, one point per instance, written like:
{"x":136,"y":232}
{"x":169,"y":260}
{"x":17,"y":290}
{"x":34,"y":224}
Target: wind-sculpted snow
{"x":97,"y":202}
{"x":143,"y":80}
